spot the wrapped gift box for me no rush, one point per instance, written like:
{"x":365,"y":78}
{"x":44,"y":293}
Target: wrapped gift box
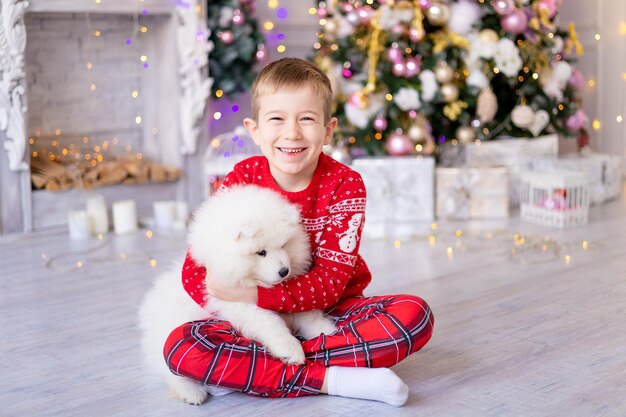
{"x":400,"y":194}
{"x":472,"y":193}
{"x":602,"y":171}
{"x":516,"y":154}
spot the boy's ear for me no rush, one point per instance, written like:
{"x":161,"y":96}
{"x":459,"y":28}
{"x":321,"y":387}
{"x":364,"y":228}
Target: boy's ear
{"x":330,"y":129}
{"x":252,"y":128}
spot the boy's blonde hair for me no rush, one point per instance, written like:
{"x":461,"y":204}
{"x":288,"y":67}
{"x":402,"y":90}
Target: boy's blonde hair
{"x":292,"y":73}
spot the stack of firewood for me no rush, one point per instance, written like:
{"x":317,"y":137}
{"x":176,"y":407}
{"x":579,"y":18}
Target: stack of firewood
{"x":55,"y":176}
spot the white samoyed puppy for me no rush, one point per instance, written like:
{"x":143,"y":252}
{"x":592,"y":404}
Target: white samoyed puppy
{"x":246,"y":236}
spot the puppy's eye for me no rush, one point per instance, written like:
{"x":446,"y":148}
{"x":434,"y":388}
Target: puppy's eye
{"x":262,"y":252}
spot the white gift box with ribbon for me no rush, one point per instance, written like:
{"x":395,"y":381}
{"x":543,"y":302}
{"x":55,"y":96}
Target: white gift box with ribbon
{"x":516,"y":154}
{"x":400,"y":194}
{"x":472,"y":193}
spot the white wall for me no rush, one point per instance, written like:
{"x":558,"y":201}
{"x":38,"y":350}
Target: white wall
{"x":604,"y":62}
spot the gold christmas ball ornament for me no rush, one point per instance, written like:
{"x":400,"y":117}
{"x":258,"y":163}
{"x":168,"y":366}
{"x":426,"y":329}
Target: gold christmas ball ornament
{"x":450,"y":92}
{"x":465,"y":134}
{"x":443,"y":72}
{"x":417,"y":133}
{"x":522,"y":116}
{"x":488,"y":35}
{"x":438,"y":13}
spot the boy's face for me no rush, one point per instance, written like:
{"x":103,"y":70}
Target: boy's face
{"x":291,"y":133}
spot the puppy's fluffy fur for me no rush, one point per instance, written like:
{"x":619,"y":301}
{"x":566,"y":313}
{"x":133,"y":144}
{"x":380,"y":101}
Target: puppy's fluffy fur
{"x":247,"y":236}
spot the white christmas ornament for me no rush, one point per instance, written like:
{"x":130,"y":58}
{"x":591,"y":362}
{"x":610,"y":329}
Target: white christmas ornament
{"x":541,"y":120}
{"x":360,"y":117}
{"x":407,"y":99}
{"x":429,"y":85}
{"x":487,"y":105}
{"x":522,"y":116}
{"x":525,"y":117}
{"x":476,"y":78}
{"x":463,"y":15}
{"x":507,"y":57}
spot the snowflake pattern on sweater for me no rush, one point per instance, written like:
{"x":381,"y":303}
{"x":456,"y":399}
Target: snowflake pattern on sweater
{"x":332,"y":208}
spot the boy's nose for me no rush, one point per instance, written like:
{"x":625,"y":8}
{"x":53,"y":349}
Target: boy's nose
{"x":292,"y":131}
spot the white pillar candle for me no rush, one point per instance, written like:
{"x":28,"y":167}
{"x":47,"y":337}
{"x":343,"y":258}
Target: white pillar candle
{"x":164,"y":214}
{"x":124,"y":216}
{"x":182,"y":211}
{"x":97,"y":210}
{"x":79,"y":224}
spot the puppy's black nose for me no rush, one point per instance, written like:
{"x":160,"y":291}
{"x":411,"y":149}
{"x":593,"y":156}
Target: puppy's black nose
{"x":283,"y":272}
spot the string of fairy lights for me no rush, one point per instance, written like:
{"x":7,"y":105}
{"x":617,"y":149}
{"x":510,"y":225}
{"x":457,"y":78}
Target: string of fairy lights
{"x":518,"y":247}
{"x":72,"y":148}
{"x":96,"y":255}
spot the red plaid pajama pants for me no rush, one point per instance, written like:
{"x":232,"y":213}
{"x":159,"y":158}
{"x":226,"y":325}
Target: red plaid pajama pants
{"x":372,"y":332}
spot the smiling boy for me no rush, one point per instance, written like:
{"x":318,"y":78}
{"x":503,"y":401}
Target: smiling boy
{"x":291,"y":122}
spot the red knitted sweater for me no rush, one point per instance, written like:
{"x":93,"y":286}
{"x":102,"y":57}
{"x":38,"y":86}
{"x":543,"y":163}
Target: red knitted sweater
{"x":332,"y":209}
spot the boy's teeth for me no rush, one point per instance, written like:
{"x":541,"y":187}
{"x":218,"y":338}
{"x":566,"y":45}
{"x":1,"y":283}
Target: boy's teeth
{"x":287,"y":150}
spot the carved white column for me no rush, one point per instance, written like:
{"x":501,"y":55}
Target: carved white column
{"x":12,"y":81}
{"x":193,"y":49}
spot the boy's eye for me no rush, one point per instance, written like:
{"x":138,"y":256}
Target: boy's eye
{"x":275,"y":118}
{"x":262,"y":253}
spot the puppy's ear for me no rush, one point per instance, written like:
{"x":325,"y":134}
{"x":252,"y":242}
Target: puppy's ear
{"x":247,"y":231}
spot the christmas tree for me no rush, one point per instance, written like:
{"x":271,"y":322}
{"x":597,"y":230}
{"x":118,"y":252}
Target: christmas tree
{"x":410,"y":76}
{"x":238,"y":46}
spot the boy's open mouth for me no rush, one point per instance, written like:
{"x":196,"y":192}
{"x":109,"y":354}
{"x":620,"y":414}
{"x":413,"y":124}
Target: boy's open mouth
{"x":291,"y":151}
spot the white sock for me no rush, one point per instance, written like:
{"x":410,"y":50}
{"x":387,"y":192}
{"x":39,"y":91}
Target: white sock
{"x":218,"y":391}
{"x":378,"y":384}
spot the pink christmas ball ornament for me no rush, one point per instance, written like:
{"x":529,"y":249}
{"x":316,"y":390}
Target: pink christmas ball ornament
{"x":398,"y":29}
{"x":355,"y":99}
{"x":577,"y":80}
{"x":413,"y":67}
{"x":238,"y":17}
{"x":395,"y":54}
{"x":227,"y":37}
{"x":322,"y":12}
{"x":346,"y":73}
{"x":365,"y":13}
{"x":415,"y":34}
{"x":516,"y":22}
{"x":576,"y":121}
{"x":503,"y":7}
{"x":425,"y":4}
{"x":399,"y":69}
{"x":549,"y":5}
{"x":398,"y":144}
{"x":380,"y":123}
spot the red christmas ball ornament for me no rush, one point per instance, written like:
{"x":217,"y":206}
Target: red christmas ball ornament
{"x":398,"y":144}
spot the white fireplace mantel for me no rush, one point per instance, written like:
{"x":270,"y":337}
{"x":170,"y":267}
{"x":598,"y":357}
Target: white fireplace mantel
{"x":105,"y":6}
{"x":190,"y":69}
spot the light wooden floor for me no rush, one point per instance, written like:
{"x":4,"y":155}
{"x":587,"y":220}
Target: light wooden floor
{"x":511,"y":339}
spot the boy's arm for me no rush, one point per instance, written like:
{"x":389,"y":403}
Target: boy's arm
{"x":333,"y":261}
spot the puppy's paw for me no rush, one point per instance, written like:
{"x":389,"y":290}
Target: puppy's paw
{"x":288,"y":350}
{"x":188,"y":391}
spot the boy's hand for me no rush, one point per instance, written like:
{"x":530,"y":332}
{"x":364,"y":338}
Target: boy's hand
{"x":239,"y":294}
